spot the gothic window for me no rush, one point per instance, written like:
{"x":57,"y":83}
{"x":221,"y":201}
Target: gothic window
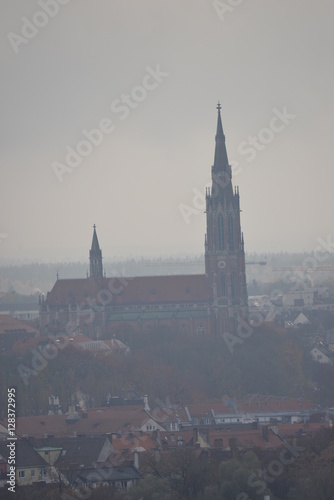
{"x":223,"y":284}
{"x":223,"y":324}
{"x":233,"y":289}
{"x":200,"y":330}
{"x":210,"y":233}
{"x":231,"y":232}
{"x":220,"y":233}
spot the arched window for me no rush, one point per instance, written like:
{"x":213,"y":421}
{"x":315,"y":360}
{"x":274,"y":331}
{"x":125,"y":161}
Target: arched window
{"x":210,"y":232}
{"x":235,"y":323}
{"x":233,"y":289}
{"x":223,"y":284}
{"x":200,"y":330}
{"x":231,"y":232}
{"x":221,"y":242}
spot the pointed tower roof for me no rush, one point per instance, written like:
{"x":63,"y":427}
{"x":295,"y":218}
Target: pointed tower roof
{"x":95,"y":241}
{"x":95,"y":257}
{"x":221,"y":160}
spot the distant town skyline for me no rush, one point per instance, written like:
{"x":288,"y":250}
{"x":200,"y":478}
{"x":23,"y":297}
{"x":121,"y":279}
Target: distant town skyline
{"x":109,"y":119}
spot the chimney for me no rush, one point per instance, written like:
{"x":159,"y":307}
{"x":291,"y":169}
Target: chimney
{"x":233,"y":447}
{"x":195,"y":436}
{"x":265,"y":433}
{"x":274,"y":429}
{"x":218,"y":443}
{"x":207,"y":436}
{"x":146,"y":407}
{"x":136,"y":459}
{"x":164,"y":444}
{"x":156,"y":436}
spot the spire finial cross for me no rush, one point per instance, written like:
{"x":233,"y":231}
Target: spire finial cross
{"x":94,"y":226}
{"x":219,"y":106}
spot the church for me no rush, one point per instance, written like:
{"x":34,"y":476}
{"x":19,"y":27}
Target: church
{"x":202,"y":304}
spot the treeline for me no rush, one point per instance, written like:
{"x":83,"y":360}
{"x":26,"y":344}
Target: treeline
{"x":29,"y":278}
{"x":165,"y":365}
{"x":34,"y":277}
{"x":303,"y":470}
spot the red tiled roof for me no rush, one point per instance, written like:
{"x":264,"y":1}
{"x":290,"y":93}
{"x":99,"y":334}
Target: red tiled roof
{"x":289,"y":430}
{"x":173,"y":437}
{"x":254,"y":403}
{"x":132,"y":441}
{"x":99,"y":421}
{"x":80,"y":342}
{"x":249,"y":438}
{"x":253,"y":438}
{"x":9,"y":325}
{"x":75,"y":291}
{"x":245,"y":438}
{"x":164,"y":415}
{"x":202,"y":410}
{"x":139,"y":290}
{"x":85,"y":343}
{"x":22,"y":346}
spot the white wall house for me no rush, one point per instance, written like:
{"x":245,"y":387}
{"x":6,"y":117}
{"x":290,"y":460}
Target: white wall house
{"x":299,"y":298}
{"x":320,"y":356}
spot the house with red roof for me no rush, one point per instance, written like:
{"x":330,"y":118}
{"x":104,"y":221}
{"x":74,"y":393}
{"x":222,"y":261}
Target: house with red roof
{"x":13,"y":330}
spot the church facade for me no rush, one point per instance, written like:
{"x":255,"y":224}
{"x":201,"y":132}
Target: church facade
{"x":204,"y":304}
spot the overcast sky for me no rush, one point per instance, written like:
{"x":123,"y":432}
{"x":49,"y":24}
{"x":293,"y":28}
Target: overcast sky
{"x":175,"y":59}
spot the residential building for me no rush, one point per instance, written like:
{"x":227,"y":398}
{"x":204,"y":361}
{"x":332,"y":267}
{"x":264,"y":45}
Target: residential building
{"x":30,"y":467}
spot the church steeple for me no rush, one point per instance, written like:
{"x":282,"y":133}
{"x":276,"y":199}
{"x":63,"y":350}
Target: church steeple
{"x":95,"y":257}
{"x":221,"y":160}
{"x":224,"y":244}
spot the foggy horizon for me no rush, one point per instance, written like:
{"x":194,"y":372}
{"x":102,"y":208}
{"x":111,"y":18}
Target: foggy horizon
{"x":270,"y":67}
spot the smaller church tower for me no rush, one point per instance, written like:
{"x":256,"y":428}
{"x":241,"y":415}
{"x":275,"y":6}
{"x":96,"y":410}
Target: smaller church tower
{"x":95,"y":257}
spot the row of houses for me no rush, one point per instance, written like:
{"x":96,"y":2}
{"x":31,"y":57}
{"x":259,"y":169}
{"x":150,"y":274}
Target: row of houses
{"x":27,"y":311}
{"x":308,"y":297}
{"x":68,"y":461}
{"x":114,"y":459}
{"x":119,"y":416}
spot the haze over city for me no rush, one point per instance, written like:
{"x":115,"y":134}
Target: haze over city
{"x":167,"y":250}
{"x":156,"y":70}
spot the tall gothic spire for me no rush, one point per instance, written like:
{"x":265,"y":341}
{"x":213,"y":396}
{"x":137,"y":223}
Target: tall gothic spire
{"x":224,"y":245}
{"x":95,"y":257}
{"x":221,"y":160}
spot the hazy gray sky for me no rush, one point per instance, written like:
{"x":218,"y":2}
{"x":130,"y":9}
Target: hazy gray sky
{"x":175,"y":59}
